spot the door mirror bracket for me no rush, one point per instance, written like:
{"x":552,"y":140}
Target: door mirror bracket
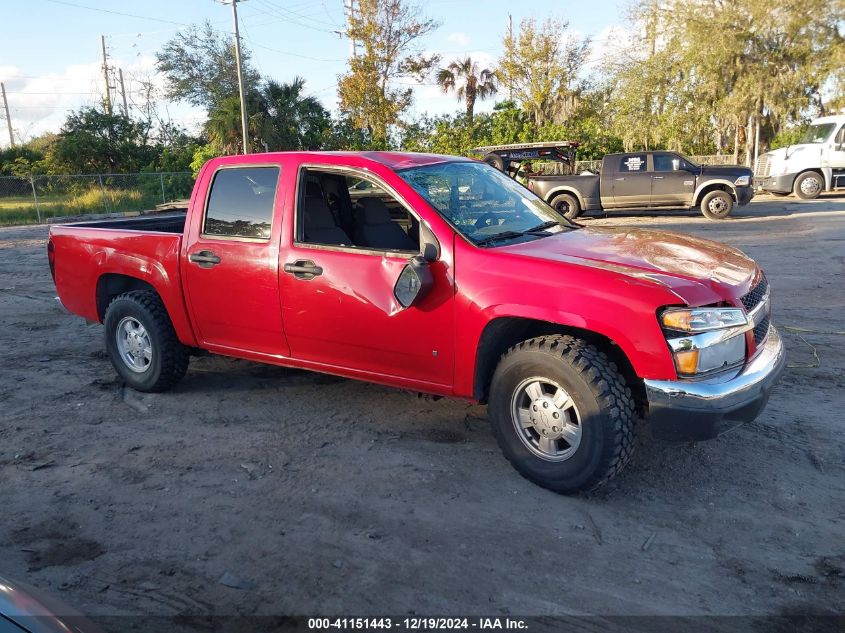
{"x":414,"y":282}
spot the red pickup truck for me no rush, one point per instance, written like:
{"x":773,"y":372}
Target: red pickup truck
{"x":440,"y":275}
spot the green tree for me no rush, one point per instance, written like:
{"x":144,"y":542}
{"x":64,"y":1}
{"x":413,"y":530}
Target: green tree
{"x":199,"y":66}
{"x":541,"y":66}
{"x":707,"y":71}
{"x":468,"y":82}
{"x":294,"y":121}
{"x":93,"y":142}
{"x":387,"y":33}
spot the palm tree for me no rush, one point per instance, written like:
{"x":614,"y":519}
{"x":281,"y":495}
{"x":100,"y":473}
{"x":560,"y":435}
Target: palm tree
{"x":294,"y":121}
{"x":468,"y":82}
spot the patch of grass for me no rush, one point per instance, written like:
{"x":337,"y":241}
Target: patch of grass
{"x":21,"y":209}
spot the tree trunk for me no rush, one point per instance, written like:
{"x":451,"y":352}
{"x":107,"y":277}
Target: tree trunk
{"x":470,"y":107}
{"x":736,"y":141}
{"x":749,"y":131}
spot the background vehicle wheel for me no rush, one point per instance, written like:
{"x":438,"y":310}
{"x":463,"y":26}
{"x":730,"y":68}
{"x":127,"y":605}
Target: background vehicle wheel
{"x":567,"y":205}
{"x":717,"y":204}
{"x":562,"y":413}
{"x":142,"y":344}
{"x":808,"y":185}
{"x":494,"y":160}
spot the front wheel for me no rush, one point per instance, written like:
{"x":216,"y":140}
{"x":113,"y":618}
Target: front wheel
{"x":808,"y":185}
{"x":567,"y":205}
{"x":562,"y":413}
{"x":141,"y":342}
{"x":716,"y":205}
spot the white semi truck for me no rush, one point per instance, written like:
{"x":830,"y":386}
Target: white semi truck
{"x":814,"y":165}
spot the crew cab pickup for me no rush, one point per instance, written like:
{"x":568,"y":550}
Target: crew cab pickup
{"x":440,"y":275}
{"x":627,"y":181}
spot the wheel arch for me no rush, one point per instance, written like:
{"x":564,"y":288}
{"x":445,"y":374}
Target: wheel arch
{"x":501,"y":333}
{"x":110,"y":285}
{"x":714,"y":185}
{"x":565,"y":189}
{"x":815,"y":170}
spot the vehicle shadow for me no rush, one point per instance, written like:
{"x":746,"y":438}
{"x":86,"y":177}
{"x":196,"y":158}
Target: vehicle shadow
{"x":759,"y":209}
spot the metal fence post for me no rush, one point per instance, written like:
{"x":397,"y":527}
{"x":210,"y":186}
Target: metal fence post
{"x":103,"y":190}
{"x":161,"y":178}
{"x":35,"y":197}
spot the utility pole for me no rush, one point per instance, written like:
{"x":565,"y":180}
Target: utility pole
{"x":8,"y":116}
{"x":510,"y":39}
{"x":107,"y":97}
{"x":123,"y":92}
{"x":244,"y":131}
{"x":349,"y":9}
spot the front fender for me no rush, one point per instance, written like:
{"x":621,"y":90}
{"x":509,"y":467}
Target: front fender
{"x":699,"y":191}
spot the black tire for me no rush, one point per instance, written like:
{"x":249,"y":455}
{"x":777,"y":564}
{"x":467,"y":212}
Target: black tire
{"x":567,"y":205}
{"x":168,"y":360}
{"x":808,"y":185}
{"x":779,"y":194}
{"x":494,"y":160}
{"x":603,"y":406}
{"x":717,"y":205}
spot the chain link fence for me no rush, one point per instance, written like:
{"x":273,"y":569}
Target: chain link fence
{"x":30,"y":200}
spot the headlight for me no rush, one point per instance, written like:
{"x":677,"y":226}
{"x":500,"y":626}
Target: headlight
{"x":715,"y":339}
{"x":702,"y":319}
{"x":742,"y":181}
{"x":701,"y":357}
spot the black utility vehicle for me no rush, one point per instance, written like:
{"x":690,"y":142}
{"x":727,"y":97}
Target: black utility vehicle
{"x":657,"y":179}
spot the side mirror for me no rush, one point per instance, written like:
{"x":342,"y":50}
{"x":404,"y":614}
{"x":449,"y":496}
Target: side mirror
{"x":414,"y":283}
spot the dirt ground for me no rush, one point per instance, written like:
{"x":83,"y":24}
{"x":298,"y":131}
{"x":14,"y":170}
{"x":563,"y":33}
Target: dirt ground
{"x":259,"y":490}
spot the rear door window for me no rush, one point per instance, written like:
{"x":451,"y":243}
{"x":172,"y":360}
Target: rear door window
{"x":241,"y":202}
{"x":633,"y":163}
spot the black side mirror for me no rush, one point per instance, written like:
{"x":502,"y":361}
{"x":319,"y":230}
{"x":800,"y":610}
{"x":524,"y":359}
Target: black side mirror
{"x":414,"y":283}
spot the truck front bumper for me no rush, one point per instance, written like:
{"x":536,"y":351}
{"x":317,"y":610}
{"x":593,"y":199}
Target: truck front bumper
{"x":777,"y":184}
{"x":744,"y":195}
{"x":700,"y":410}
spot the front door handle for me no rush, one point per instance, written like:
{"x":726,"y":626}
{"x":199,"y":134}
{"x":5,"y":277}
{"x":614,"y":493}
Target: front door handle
{"x":658,"y":177}
{"x":204,"y":259}
{"x":303,"y":269}
{"x":620,"y":179}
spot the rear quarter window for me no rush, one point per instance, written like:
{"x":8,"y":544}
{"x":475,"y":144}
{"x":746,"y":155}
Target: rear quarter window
{"x":241,"y":202}
{"x":633,"y":163}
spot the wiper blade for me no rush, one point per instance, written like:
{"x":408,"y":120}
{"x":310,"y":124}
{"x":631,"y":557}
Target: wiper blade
{"x":504,"y":235}
{"x":543,"y":226}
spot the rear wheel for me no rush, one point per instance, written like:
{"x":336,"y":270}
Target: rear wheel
{"x":142,"y":344}
{"x":717,"y":204}
{"x":562,"y":413}
{"x":567,"y":205}
{"x":808,"y":185}
{"x":494,"y":160}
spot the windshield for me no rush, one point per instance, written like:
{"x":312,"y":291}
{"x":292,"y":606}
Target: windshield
{"x":817,"y":133}
{"x":482,"y":203}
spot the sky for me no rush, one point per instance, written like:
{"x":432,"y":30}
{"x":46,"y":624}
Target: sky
{"x":50,"y":59}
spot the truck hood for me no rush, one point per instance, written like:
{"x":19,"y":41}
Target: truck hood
{"x":698,"y":271}
{"x":730,"y":172}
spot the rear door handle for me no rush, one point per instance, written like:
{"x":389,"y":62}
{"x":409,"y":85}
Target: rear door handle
{"x":303,"y":269}
{"x":620,"y":179}
{"x":658,"y":177}
{"x":204,"y":259}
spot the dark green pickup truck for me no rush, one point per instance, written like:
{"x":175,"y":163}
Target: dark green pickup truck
{"x":656,"y":179}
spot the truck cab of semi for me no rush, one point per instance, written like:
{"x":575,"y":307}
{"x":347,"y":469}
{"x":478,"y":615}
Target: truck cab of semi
{"x":814,"y":165}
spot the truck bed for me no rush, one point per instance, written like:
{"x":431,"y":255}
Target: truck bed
{"x":171,"y":222}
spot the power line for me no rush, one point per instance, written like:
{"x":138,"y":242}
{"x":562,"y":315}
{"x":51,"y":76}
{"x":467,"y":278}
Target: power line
{"x":126,"y":15}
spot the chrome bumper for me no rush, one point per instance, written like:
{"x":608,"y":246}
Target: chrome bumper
{"x":697,"y":410}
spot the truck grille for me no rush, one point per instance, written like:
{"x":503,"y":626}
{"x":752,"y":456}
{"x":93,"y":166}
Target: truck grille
{"x":755,"y":295}
{"x":761,"y":167}
{"x":761,"y":329}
